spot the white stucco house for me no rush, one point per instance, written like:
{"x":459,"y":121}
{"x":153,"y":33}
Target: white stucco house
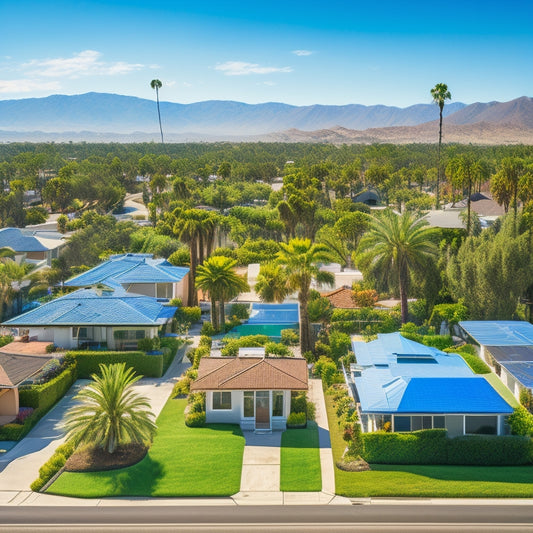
{"x":252,"y":391}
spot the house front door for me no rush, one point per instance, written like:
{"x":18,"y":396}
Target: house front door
{"x":262,"y":410}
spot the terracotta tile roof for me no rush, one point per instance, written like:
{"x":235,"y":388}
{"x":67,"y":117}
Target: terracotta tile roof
{"x":251,"y":373}
{"x":341,"y":298}
{"x":14,"y":369}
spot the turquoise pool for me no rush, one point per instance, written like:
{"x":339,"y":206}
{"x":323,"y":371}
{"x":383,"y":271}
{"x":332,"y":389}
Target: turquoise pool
{"x":270,"y":330}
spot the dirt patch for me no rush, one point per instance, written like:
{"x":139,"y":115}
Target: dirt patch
{"x":95,"y":459}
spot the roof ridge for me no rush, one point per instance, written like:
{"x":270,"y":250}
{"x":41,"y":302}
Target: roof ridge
{"x":233,"y":376}
{"x":214,"y":369}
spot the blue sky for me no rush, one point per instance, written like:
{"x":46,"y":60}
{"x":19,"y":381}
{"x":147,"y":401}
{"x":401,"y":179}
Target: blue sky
{"x":301,"y":53}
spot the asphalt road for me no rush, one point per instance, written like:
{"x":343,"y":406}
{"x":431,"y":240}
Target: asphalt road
{"x":360,"y":518}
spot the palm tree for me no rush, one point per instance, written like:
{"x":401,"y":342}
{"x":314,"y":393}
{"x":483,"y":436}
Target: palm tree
{"x":271,"y":284}
{"x":217,"y":277}
{"x":396,"y":245}
{"x":156,"y":84}
{"x":440,"y":94}
{"x":110,"y":413}
{"x":301,"y":259}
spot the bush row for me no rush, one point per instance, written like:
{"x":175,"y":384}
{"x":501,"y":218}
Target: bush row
{"x":146,"y":365}
{"x":365,"y":320}
{"x":432,"y":446}
{"x":41,"y":398}
{"x":53,"y":465}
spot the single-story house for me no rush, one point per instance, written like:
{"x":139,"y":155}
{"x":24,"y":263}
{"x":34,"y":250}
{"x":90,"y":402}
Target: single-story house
{"x":341,"y":298}
{"x":95,"y":317}
{"x":139,"y":274}
{"x":507,"y":346}
{"x":408,"y":386}
{"x":14,"y":370}
{"x":250,"y":390}
{"x":32,"y":245}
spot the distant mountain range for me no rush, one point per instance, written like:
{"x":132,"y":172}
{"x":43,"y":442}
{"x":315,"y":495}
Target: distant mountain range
{"x":100,"y":117}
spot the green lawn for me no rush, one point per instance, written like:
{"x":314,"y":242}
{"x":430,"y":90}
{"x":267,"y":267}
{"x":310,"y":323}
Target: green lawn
{"x":300,"y":460}
{"x":181,"y":462}
{"x":428,"y":481}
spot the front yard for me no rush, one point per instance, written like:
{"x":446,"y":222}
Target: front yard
{"x":300,"y":460}
{"x":435,"y":481}
{"x":182,"y":462}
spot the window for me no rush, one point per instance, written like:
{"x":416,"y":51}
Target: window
{"x":248,"y":404}
{"x":481,"y":425}
{"x":439,"y":422}
{"x":402,"y":423}
{"x":222,"y":400}
{"x":277,"y":403}
{"x":80,"y":333}
{"x":129,"y":334}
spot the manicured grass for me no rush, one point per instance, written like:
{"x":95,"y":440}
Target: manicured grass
{"x":181,"y":462}
{"x":504,"y":392}
{"x":300,"y":460}
{"x":428,"y":481}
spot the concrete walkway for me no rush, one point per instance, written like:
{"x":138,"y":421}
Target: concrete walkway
{"x":19,"y":467}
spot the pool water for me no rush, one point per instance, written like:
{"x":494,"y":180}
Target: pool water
{"x":270,"y":330}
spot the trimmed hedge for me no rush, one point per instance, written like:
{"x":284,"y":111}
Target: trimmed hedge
{"x":490,"y":450}
{"x":53,"y":465}
{"x":41,"y":398}
{"x":475,"y":363}
{"x":419,"y":447}
{"x":433,"y":447}
{"x":146,"y":365}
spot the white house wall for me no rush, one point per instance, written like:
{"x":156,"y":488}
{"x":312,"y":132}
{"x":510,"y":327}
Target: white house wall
{"x":223,"y":416}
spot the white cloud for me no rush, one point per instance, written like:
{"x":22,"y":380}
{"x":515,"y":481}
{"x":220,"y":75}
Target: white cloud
{"x":86,"y":63}
{"x":268,"y":83}
{"x":27,"y":86}
{"x":302,"y":52}
{"x":240,"y":68}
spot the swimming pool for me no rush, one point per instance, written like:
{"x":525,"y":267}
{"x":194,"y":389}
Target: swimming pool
{"x":270,"y":330}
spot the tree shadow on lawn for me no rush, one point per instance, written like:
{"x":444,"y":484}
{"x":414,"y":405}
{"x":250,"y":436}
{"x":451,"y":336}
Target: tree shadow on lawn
{"x":495,"y":474}
{"x":140,"y":479}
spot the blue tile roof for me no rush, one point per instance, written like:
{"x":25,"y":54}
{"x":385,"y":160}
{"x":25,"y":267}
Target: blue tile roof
{"x":20,"y":241}
{"x":402,"y":376}
{"x":90,"y":307}
{"x":130,"y":268}
{"x":499,"y":332}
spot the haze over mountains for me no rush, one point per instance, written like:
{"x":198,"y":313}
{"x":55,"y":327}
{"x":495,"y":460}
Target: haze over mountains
{"x":110,"y":117}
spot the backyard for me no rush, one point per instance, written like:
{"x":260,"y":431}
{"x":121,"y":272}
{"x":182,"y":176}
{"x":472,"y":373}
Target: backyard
{"x":428,"y":481}
{"x":182,"y":461}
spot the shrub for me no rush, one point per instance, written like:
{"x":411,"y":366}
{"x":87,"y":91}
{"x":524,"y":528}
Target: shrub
{"x":298,"y":402}
{"x":322,"y":349}
{"x":290,"y":337}
{"x":51,"y":348}
{"x":249,"y":341}
{"x":418,"y":447}
{"x":24,"y":413}
{"x":145,"y":345}
{"x":240,"y":311}
{"x":340,"y":344}
{"x":296,"y":420}
{"x":195,"y":420}
{"x":53,"y":465}
{"x":277,"y":350}
{"x":486,"y":450}
{"x":201,"y":351}
{"x":521,"y":422}
{"x":311,"y":410}
{"x":188,"y":315}
{"x":5,"y":339}
{"x":526,"y":399}
{"x":365,"y":319}
{"x":182,"y":387}
{"x":438,"y":341}
{"x":207,"y":329}
{"x":205,"y":341}
{"x":145,"y":365}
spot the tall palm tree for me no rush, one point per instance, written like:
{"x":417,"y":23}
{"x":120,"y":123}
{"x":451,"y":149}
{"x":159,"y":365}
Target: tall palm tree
{"x":217,"y":276}
{"x":396,"y":245}
{"x":110,"y":412}
{"x":440,"y":94}
{"x":301,"y":259}
{"x":156,"y":84}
